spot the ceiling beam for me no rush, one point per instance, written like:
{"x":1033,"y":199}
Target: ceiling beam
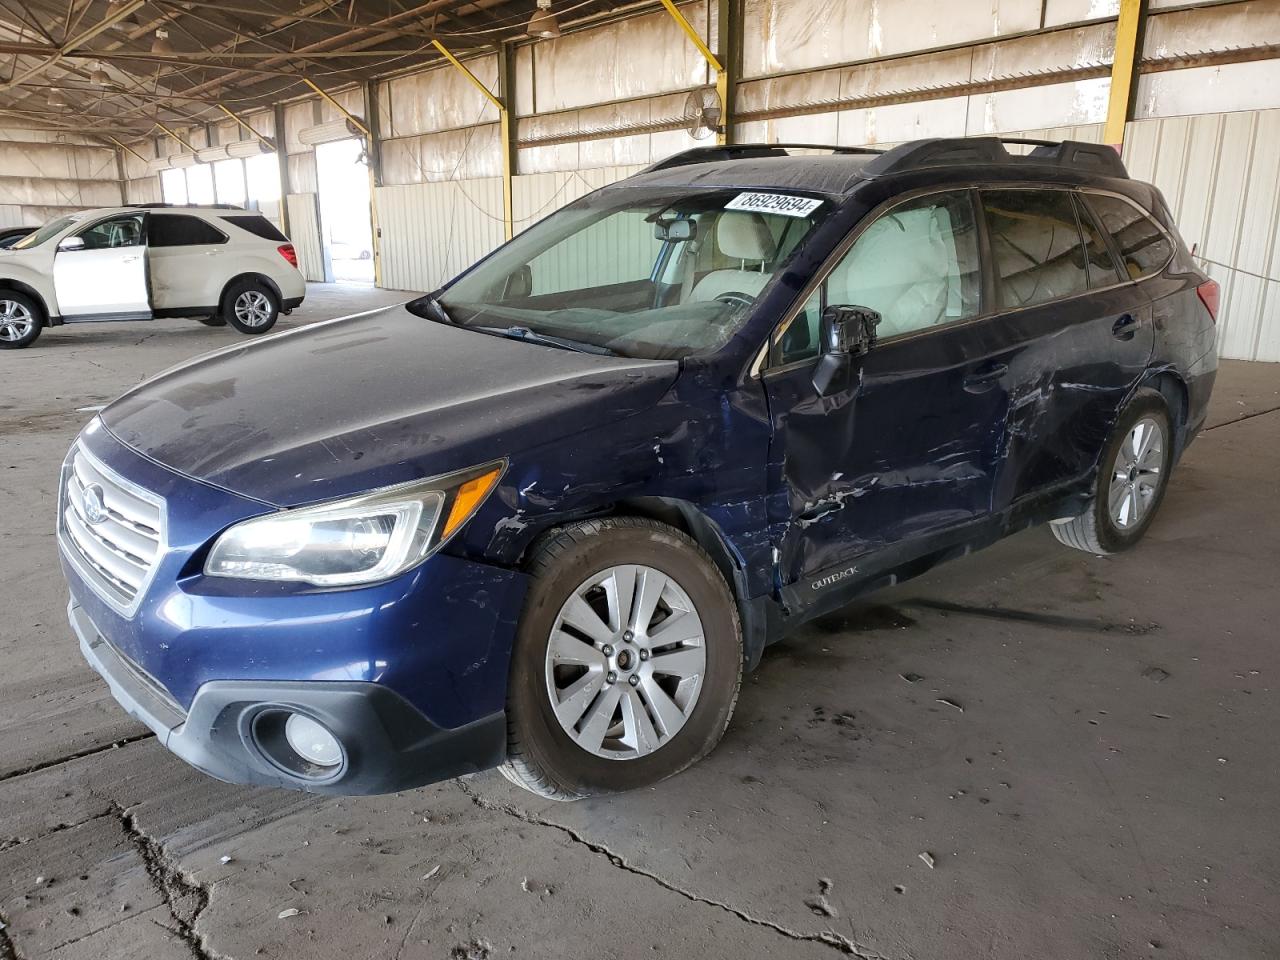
{"x":121,"y":11}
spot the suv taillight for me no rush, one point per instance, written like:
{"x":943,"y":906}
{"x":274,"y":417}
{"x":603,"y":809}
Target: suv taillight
{"x":287,"y":251}
{"x":1209,"y":293}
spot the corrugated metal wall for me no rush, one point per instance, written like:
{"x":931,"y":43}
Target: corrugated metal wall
{"x":1220,"y":174}
{"x":304,"y":233}
{"x":432,"y":230}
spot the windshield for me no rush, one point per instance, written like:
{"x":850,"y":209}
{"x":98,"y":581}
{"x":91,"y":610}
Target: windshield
{"x":50,"y":229}
{"x":641,"y":273}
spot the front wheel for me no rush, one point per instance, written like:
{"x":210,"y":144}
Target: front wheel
{"x":1132,"y":478}
{"x":251,"y":307}
{"x":21,"y":320}
{"x":627,"y":664}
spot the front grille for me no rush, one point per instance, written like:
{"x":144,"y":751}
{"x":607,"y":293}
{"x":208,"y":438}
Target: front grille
{"x":111,"y":529}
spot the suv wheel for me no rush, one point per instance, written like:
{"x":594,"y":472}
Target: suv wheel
{"x":21,"y":320}
{"x":1131,"y":480}
{"x":251,"y":307}
{"x":627,"y":664}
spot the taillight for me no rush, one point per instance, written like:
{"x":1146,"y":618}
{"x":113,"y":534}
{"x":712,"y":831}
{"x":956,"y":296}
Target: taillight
{"x":1209,"y":295}
{"x":290,"y":254}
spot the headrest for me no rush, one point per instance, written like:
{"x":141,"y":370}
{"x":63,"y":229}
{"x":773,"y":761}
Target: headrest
{"x":744,"y":236}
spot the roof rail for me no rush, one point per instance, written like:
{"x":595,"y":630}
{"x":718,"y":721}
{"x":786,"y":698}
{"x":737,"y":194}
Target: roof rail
{"x":949,"y":151}
{"x":201,"y":206}
{"x":749,"y":151}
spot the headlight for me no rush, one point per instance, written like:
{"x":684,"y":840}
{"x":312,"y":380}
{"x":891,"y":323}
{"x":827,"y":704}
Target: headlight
{"x":363,"y":539}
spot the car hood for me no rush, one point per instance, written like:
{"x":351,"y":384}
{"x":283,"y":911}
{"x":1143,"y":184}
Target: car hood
{"x":387,"y":397}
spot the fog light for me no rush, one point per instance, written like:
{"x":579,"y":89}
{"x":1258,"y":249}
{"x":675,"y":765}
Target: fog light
{"x":312,"y":741}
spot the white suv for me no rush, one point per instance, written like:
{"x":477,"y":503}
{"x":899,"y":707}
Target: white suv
{"x":219,"y":264}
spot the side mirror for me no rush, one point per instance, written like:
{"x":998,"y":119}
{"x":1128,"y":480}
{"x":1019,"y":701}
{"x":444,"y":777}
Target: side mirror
{"x":675,"y":231}
{"x":71,"y":243}
{"x":848,"y":332}
{"x":519,"y":283}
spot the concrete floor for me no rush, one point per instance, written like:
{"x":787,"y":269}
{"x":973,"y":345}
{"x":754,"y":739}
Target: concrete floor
{"x":1108,"y":789}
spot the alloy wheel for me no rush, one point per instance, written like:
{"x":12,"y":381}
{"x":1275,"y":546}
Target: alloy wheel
{"x":625,"y":662}
{"x":16,"y":320}
{"x":1137,"y":475}
{"x":253,"y":308}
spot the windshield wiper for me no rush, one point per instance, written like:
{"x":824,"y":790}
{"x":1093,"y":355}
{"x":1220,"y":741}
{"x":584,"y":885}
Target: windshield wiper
{"x":524,"y":333}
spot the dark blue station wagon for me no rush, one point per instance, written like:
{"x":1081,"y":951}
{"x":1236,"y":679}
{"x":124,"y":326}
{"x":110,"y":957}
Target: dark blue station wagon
{"x":545,"y":517}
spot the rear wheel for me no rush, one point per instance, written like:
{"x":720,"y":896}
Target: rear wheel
{"x":251,"y":307}
{"x":627,"y":664}
{"x":1131,"y":480}
{"x":21,"y":320}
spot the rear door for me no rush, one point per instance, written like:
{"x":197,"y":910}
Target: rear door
{"x":105,"y":276}
{"x":187,"y":257}
{"x":1088,"y":330}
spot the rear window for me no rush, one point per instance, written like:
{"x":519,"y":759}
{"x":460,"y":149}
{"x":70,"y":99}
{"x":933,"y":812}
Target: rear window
{"x":181,"y":230}
{"x":1144,"y":248}
{"x":259,"y":227}
{"x":1035,"y":245}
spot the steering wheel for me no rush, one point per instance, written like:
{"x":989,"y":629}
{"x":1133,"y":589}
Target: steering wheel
{"x":736,"y":298}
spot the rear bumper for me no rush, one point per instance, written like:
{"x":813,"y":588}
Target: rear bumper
{"x":388,"y":744}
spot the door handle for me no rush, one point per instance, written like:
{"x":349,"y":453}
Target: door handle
{"x":1125,"y":327}
{"x":129,"y":259}
{"x":212,"y":253}
{"x":985,"y":379}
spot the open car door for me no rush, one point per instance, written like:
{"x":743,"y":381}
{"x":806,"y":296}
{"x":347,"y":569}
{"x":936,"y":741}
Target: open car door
{"x":100,"y":271}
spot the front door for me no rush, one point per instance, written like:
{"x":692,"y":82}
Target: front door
{"x":908,"y":452}
{"x":102,"y":272}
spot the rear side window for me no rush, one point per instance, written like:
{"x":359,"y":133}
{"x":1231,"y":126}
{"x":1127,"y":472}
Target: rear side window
{"x":180,"y":230}
{"x":259,"y":227}
{"x":1143,"y":247}
{"x":1036,"y":249}
{"x":1102,"y":266}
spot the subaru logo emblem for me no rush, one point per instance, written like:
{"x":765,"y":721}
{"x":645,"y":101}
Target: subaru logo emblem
{"x":95,"y":507}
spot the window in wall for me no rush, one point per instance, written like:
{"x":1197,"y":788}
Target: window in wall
{"x":916,"y":265}
{"x":262,"y":178}
{"x":180,"y":230}
{"x":173,"y":186}
{"x":1036,"y":248}
{"x":116,"y":232}
{"x":200,"y":184}
{"x":1102,"y":266}
{"x":1144,"y":248}
{"x":228,"y":181}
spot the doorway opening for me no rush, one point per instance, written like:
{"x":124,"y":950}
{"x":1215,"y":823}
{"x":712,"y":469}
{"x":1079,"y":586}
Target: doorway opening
{"x":342,"y":176}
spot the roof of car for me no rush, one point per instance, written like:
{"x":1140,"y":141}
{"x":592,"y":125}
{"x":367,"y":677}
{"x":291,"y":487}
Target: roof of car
{"x":837,"y":170}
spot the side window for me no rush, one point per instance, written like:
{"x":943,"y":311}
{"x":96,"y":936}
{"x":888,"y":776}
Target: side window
{"x":917,"y":265}
{"x":1144,"y":248}
{"x":116,"y":232}
{"x":1036,"y":250}
{"x":1103,"y":271}
{"x":259,"y":226}
{"x":180,"y":230}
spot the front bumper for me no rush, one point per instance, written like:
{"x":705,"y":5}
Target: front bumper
{"x":388,"y":744}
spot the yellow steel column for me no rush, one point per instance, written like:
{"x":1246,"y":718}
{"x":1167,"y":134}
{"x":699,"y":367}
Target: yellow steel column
{"x":722,"y":75}
{"x":1124,"y":70}
{"x":244,"y":123}
{"x":504,"y":124}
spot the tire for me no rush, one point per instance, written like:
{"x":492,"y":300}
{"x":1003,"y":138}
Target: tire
{"x":542,"y":755}
{"x":251,"y":307}
{"x":217,"y":320}
{"x":1100,"y":529}
{"x":21,"y":320}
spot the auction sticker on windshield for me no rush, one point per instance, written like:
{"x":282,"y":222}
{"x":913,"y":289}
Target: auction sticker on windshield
{"x":783,"y":203}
